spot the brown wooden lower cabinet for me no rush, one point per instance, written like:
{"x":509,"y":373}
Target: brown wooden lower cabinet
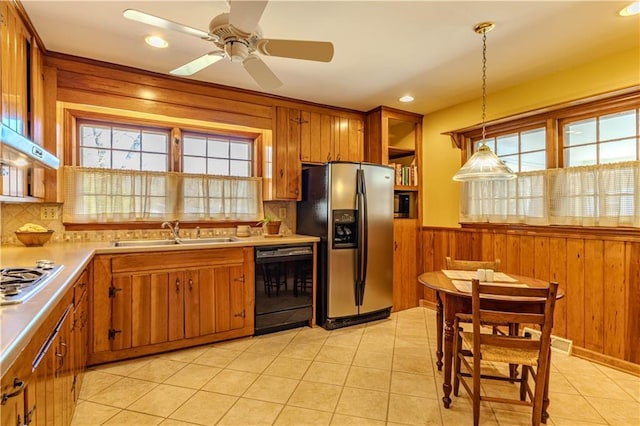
{"x":405,"y":264}
{"x":43,"y":384}
{"x":146,"y":303}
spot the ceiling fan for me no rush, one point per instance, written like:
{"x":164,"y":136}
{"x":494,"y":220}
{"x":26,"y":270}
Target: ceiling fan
{"x":238,"y":38}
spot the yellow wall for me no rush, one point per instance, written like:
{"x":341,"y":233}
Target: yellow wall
{"x":441,"y":159}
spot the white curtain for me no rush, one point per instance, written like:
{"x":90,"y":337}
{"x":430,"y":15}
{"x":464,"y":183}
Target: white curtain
{"x":95,"y":195}
{"x":208,"y":197}
{"x":520,"y":200}
{"x":602,"y":195}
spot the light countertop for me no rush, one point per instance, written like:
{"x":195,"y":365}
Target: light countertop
{"x":19,"y":323}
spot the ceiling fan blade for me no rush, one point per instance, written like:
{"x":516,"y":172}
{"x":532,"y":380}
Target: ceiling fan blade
{"x":198,"y":64}
{"x":261,"y":73}
{"x":321,"y":51}
{"x":145,"y":18}
{"x":245,"y":15}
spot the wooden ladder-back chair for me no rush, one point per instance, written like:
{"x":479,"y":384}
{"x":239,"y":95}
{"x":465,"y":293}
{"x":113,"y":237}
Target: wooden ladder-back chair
{"x":532,"y":354}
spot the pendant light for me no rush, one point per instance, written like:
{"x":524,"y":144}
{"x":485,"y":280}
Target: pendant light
{"x":484,"y":164}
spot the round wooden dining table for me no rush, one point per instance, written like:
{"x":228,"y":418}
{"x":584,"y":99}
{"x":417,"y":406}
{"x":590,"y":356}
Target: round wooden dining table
{"x":451,"y":301}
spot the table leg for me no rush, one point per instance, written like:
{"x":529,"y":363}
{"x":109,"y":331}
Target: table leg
{"x":440,"y":326}
{"x":448,"y":353}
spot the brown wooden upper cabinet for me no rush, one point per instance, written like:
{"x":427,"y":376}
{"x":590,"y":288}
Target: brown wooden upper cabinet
{"x":326,"y":137}
{"x":287,"y":170}
{"x":21,"y":97}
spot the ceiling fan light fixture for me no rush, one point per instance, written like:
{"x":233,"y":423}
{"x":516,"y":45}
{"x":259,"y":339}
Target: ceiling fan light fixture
{"x":156,"y":41}
{"x":631,"y":9}
{"x":484,"y":164}
{"x":237,"y":51}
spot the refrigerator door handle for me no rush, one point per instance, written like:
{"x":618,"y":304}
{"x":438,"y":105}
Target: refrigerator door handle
{"x":362,"y":252}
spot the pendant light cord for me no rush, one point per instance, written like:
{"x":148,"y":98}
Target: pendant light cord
{"x":484,"y":84}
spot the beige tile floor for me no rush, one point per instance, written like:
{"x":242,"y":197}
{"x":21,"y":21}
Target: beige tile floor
{"x":373,"y":374}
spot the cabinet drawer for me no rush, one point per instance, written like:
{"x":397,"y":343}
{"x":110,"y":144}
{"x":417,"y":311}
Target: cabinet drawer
{"x":175,"y":259}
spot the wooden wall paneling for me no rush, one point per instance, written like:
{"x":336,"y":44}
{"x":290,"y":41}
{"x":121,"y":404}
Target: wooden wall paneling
{"x":120,"y":88}
{"x":152,"y":107}
{"x":632,"y":350}
{"x":614,"y":299}
{"x":527,"y":255}
{"x":500,"y":249}
{"x":487,"y":246}
{"x":575,"y":290}
{"x":440,"y":249}
{"x":558,"y":273}
{"x":594,"y":295}
{"x":512,"y":262}
{"x":428,"y":263}
{"x":541,"y":258}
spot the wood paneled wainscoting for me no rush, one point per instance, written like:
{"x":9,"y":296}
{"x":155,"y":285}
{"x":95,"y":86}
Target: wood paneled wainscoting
{"x":598,"y":270}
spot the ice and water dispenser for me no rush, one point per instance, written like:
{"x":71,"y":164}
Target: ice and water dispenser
{"x":345,"y":232}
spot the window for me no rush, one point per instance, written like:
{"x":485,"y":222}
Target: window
{"x":593,"y":178}
{"x":216,"y":155}
{"x":123,"y":147}
{"x":602,"y":139}
{"x":522,"y":151}
{"x":124,"y":173}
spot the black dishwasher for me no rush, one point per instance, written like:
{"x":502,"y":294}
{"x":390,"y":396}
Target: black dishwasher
{"x":284,"y":287}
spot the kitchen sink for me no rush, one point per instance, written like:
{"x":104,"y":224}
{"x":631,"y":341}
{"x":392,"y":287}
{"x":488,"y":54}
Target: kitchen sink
{"x":184,"y":241}
{"x":211,"y":240}
{"x":143,"y":243}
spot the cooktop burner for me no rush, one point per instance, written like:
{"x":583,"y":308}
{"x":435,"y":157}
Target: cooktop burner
{"x":18,"y":284}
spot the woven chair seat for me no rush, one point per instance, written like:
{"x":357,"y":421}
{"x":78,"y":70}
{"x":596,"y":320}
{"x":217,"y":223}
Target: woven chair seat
{"x":503,"y":354}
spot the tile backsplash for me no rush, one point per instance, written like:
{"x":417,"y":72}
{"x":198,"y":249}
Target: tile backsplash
{"x":14,"y":215}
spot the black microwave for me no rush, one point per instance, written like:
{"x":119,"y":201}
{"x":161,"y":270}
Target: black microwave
{"x":401,"y":205}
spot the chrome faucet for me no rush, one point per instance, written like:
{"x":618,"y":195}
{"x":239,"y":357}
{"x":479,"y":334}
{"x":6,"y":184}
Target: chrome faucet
{"x":175,"y":229}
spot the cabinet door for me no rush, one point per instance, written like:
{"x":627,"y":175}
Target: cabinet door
{"x":405,"y":270}
{"x":12,"y":411}
{"x":229,"y":284}
{"x":194,"y":302}
{"x":63,"y":377}
{"x":287,"y":166}
{"x":80,"y":339}
{"x":356,"y":140}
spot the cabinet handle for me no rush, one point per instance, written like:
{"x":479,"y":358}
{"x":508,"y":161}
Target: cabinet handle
{"x":18,"y":386}
{"x":241,"y":279}
{"x":177,"y":285}
{"x":328,"y":156}
{"x":395,"y":245}
{"x":338,"y":157}
{"x":190,"y":284}
{"x":281,"y":172}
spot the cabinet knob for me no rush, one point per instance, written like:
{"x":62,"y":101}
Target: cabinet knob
{"x":177,"y":285}
{"x":395,"y":245}
{"x":190,"y":284}
{"x":281,"y":172}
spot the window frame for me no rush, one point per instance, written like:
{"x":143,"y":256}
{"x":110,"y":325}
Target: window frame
{"x":72,"y":116}
{"x":553,"y":117}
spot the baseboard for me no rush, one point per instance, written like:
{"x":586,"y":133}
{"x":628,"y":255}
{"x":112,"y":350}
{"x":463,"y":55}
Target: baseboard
{"x":424,"y":303}
{"x":607,"y":361}
{"x":557,"y":343}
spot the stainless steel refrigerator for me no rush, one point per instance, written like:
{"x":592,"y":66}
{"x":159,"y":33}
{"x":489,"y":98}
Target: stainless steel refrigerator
{"x":350,"y":207}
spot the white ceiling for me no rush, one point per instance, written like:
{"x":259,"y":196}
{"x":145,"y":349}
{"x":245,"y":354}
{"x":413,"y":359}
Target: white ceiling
{"x":383,"y":49}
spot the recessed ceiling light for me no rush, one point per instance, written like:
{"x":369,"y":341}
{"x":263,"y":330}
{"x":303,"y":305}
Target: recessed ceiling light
{"x":156,"y":41}
{"x":630,"y":10}
{"x":406,"y":98}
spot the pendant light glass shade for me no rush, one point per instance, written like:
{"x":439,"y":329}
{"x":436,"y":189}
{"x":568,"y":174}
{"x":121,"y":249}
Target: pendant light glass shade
{"x":484,"y":164}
